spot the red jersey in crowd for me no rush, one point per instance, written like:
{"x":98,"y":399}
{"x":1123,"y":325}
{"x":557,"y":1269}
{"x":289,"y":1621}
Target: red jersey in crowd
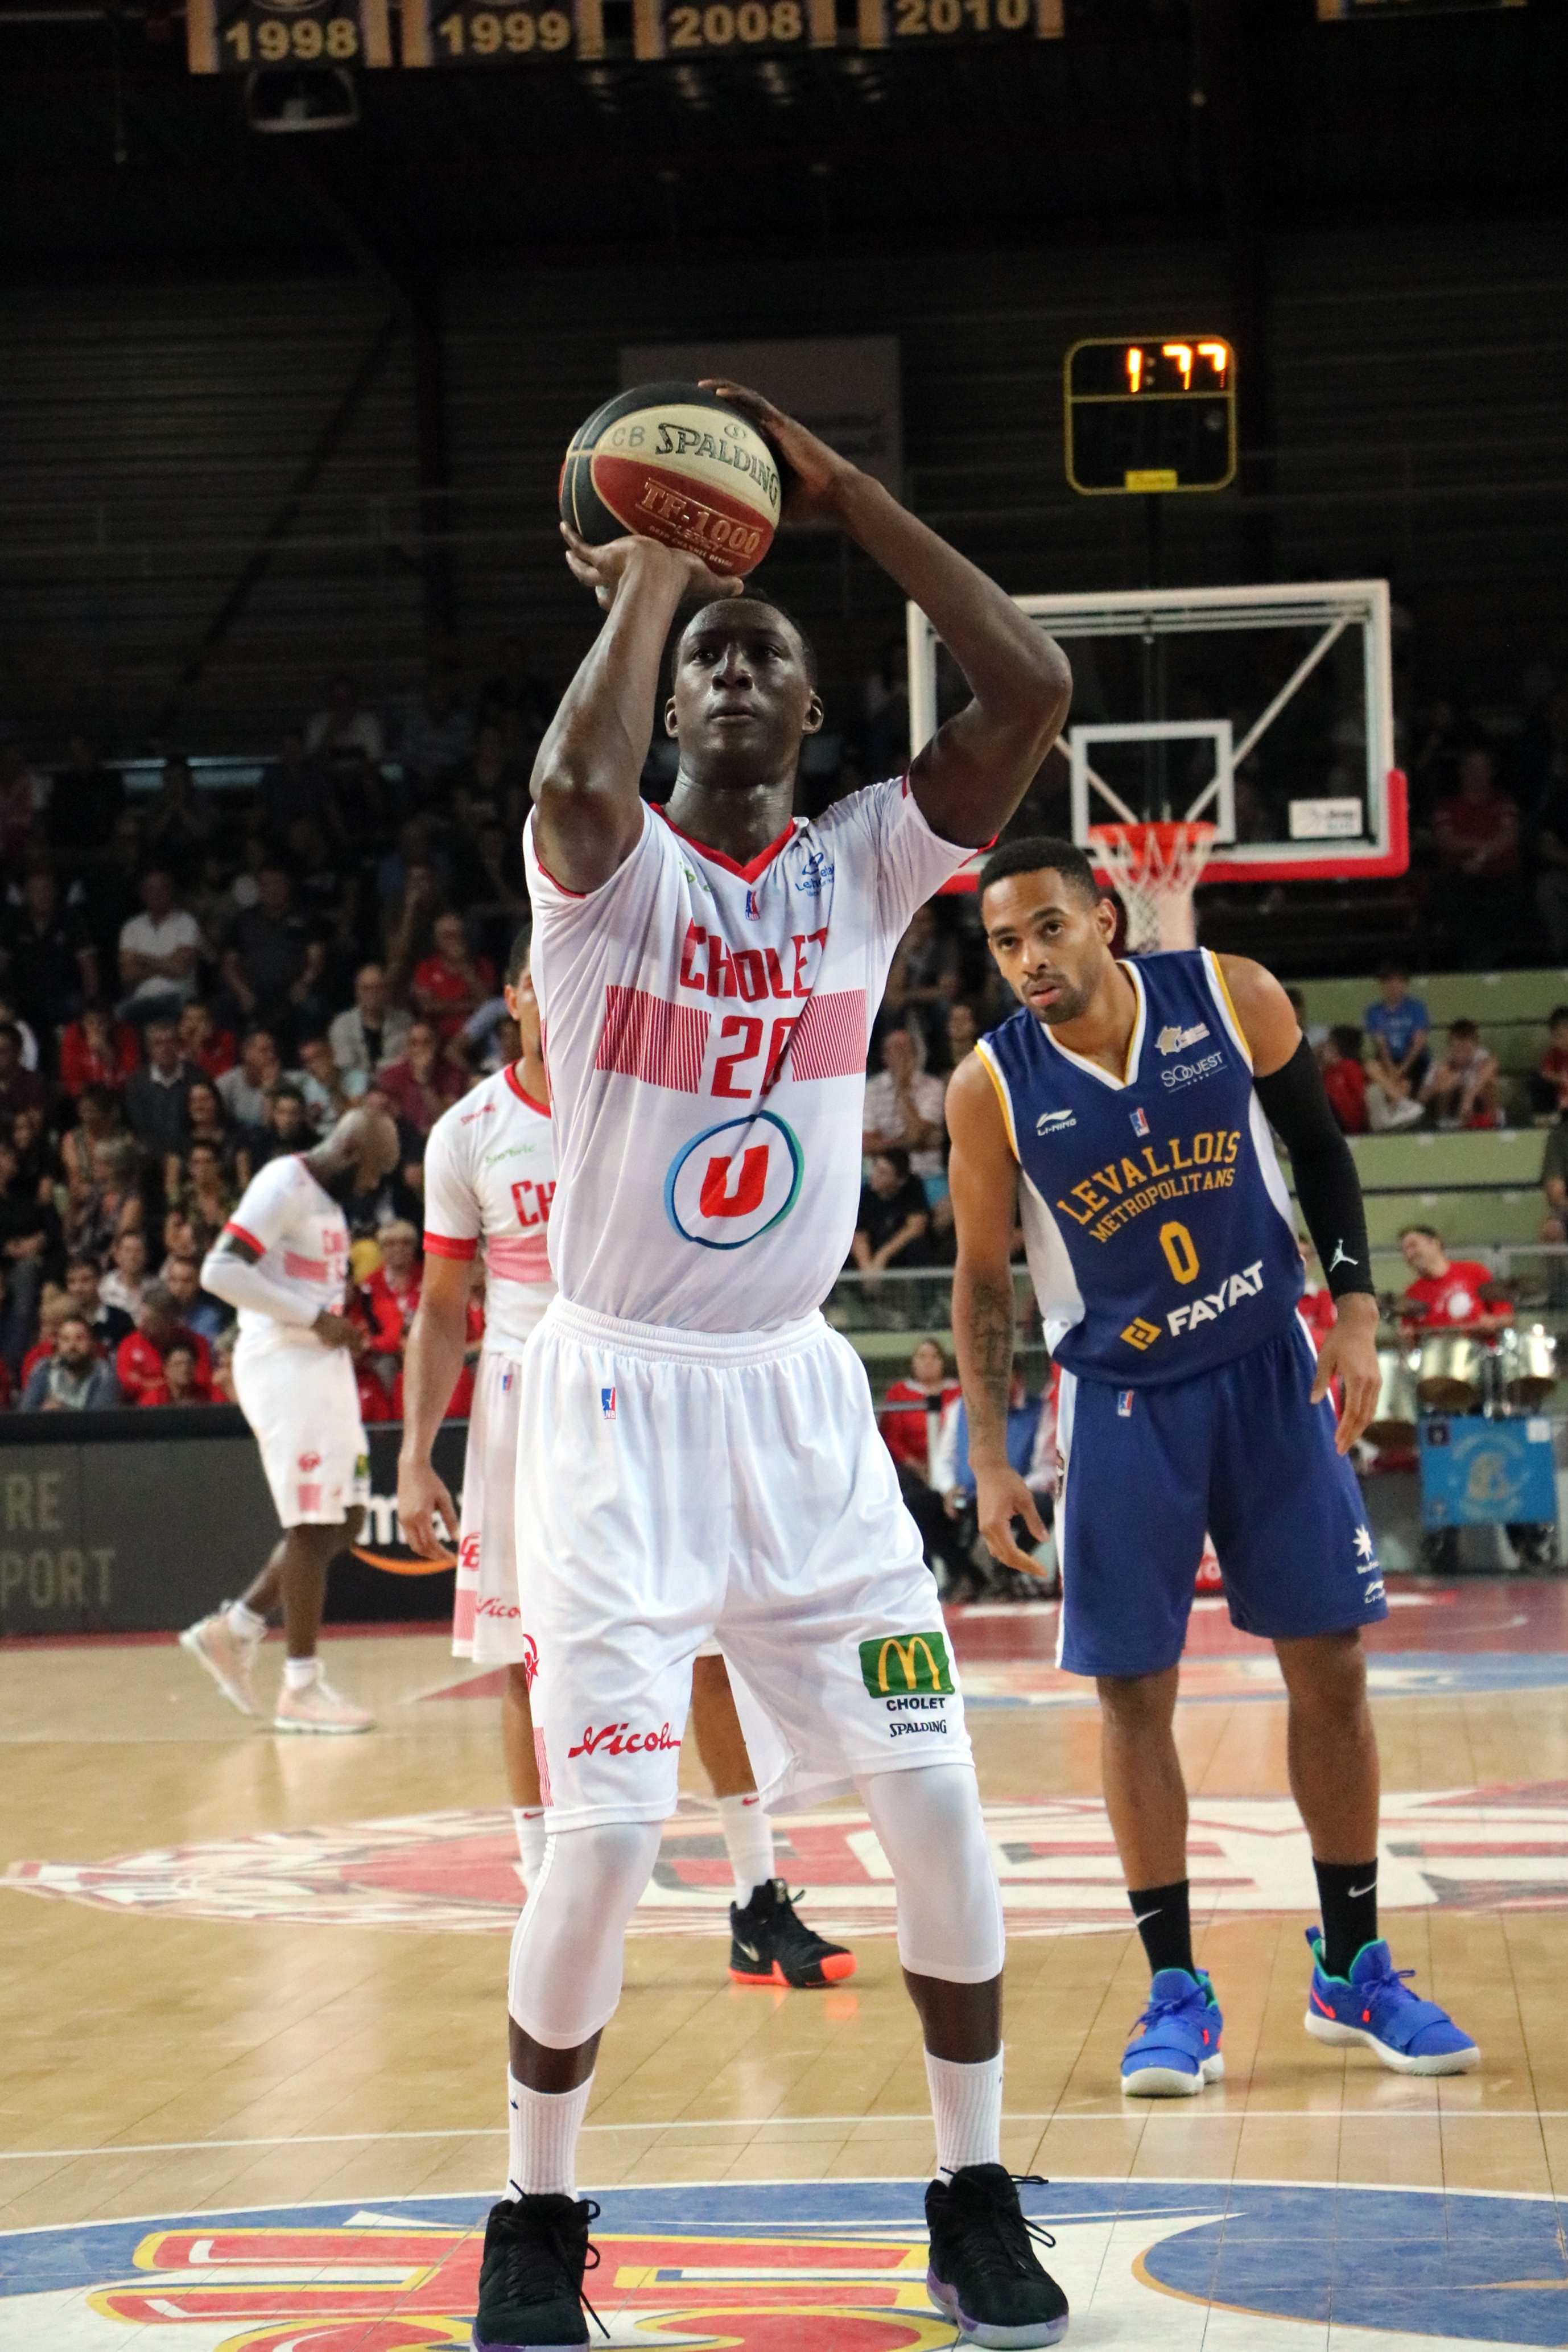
{"x":139,"y":1367}
{"x":390,"y":1312}
{"x":374,"y":1402}
{"x":438,"y":985}
{"x":1319,"y":1313}
{"x":215,"y":1055}
{"x":158,"y":1393}
{"x":82,"y":1065}
{"x":1344,"y":1083}
{"x":460,"y":1404}
{"x":908,"y":1431}
{"x":1451,"y":1297}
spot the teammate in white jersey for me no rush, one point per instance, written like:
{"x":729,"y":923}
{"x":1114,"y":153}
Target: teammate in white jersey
{"x":283,"y":1260}
{"x":489,"y":1181}
{"x":699,"y":1446}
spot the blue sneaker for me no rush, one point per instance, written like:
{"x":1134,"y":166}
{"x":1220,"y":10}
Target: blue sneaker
{"x":1174,"y":2049}
{"x":1373,"y":2005}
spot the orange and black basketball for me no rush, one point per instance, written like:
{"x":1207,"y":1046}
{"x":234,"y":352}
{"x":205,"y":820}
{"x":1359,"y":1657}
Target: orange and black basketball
{"x":674,"y":463}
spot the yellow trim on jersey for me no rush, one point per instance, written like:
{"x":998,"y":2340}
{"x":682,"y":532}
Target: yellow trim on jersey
{"x":1000,"y":1083}
{"x":1217,"y":979}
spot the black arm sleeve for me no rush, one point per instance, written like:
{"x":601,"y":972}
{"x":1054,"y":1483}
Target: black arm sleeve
{"x":1326,"y":1182}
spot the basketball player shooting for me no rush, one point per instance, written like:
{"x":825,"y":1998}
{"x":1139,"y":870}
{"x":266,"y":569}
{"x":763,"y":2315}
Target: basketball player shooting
{"x":489,"y":1181}
{"x":283,"y":1260}
{"x":1126,"y":1109}
{"x":697,"y":1444}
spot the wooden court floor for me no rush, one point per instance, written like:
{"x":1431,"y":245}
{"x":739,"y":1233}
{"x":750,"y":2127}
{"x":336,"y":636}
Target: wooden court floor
{"x":241,"y":1972}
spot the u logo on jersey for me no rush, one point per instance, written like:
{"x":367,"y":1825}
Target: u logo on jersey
{"x":735,"y":1182}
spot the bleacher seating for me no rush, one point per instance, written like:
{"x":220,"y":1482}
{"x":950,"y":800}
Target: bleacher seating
{"x":1510,"y":1007}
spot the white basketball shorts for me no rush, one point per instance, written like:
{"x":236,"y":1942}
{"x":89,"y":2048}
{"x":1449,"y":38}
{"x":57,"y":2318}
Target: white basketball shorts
{"x":486,"y":1622}
{"x":301,"y":1401}
{"x":675,"y":1486}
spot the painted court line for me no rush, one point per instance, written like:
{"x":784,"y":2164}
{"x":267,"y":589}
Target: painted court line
{"x":1337,"y":2116}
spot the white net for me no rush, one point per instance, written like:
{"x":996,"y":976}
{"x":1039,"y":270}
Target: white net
{"x":1155,"y":870}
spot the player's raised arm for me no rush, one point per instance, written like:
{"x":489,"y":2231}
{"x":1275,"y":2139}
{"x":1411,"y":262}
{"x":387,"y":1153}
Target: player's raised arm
{"x":1291,"y":1088}
{"x":586,"y":776}
{"x":983,"y":1176}
{"x":972,"y":775}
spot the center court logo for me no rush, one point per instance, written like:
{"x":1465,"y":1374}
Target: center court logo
{"x":734,"y":1183}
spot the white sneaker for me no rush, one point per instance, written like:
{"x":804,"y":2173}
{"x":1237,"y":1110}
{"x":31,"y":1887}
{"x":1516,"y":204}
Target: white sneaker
{"x":229,"y":1657}
{"x":318,"y":1708}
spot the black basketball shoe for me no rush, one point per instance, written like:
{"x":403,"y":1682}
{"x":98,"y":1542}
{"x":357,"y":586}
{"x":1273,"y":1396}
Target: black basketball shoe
{"x":530,"y":2279}
{"x":769,"y":1945}
{"x":984,"y":2274}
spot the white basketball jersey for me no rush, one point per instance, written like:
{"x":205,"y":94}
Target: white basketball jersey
{"x":303,"y":1238}
{"x":489,"y":1175}
{"x":706,"y":1029}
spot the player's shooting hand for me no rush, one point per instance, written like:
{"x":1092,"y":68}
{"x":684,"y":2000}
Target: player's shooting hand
{"x":1348,"y":1353}
{"x":1002,"y":1497}
{"x":603,"y":569}
{"x":422,"y":1499}
{"x":816,"y":477}
{"x":333,"y":1330}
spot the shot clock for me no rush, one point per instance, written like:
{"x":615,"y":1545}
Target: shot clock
{"x":1154,"y":413}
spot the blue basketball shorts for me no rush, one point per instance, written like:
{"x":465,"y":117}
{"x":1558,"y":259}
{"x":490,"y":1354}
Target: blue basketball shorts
{"x":1241,"y":1452}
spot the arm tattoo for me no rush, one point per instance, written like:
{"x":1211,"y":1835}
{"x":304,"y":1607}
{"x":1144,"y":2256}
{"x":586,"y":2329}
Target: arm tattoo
{"x":991,"y":1339}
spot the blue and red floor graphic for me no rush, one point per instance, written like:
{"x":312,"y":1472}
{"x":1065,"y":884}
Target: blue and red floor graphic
{"x":1197,"y":2266}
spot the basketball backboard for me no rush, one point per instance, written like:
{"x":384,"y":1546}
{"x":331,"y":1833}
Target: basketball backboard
{"x":1266,"y":711}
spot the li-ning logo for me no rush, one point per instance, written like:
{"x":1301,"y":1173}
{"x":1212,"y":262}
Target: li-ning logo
{"x":1140,"y":1122}
{"x":1172,"y":1039}
{"x":607,"y":1741}
{"x":1053,"y":1122}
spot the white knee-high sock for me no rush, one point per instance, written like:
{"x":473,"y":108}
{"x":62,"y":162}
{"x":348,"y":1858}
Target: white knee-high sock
{"x":966,"y":2104}
{"x":528,"y":1821}
{"x":748,"y":1842}
{"x":541,"y":2131}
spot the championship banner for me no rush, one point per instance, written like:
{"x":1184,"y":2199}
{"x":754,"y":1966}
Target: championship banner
{"x":674,"y":28}
{"x":236,"y":37}
{"x":929,"y":24}
{"x":473,"y":33}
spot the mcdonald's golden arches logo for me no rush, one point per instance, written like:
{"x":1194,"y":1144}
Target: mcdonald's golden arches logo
{"x":893,"y":1663}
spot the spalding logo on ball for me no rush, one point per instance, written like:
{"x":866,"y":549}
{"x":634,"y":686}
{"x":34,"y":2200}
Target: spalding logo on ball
{"x":674,"y":463}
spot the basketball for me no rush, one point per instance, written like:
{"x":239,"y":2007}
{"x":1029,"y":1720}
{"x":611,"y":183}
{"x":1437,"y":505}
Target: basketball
{"x":674,"y":463}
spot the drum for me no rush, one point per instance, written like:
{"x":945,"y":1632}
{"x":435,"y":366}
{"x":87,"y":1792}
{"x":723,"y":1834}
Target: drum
{"x":1393,"y":1425}
{"x":1529,"y":1367}
{"x":1450,"y":1371}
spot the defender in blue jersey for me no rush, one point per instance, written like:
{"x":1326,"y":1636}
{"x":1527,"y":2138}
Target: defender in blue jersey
{"x":1123,"y":1116}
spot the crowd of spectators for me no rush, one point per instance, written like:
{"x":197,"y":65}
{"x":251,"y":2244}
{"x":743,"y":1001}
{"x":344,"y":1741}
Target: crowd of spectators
{"x":194,"y":981}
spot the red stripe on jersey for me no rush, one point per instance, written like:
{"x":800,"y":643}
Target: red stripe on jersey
{"x":643,"y":1037}
{"x":304,"y":1269}
{"x":249,"y":1239}
{"x":517,"y":1257}
{"x":522,"y":1093}
{"x":444,"y":1245}
{"x":830,"y":1040}
{"x":749,"y":873}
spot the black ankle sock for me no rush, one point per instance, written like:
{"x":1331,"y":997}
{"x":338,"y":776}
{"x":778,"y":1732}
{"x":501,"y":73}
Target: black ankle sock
{"x":1165,"y":1923}
{"x":1348,"y":1892}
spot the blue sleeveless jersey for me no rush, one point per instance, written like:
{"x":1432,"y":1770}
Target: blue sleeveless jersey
{"x":1160,"y":1235}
